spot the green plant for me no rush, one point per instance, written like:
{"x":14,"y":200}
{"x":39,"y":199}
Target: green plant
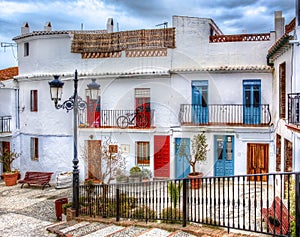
{"x":143,"y":212}
{"x":6,"y":158}
{"x":171,"y":215}
{"x":174,"y":192}
{"x":66,"y":206}
{"x":135,"y":171}
{"x":199,"y":150}
{"x":146,"y":173}
{"x":292,"y":195}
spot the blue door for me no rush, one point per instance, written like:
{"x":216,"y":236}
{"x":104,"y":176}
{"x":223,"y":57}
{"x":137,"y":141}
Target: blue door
{"x":224,"y":159}
{"x":252,"y":101}
{"x":199,"y":102}
{"x":182,"y":149}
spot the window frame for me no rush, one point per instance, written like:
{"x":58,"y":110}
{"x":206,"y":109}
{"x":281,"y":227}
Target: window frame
{"x":34,"y":148}
{"x":33,"y":100}
{"x":143,"y":153}
{"x":26,"y":49}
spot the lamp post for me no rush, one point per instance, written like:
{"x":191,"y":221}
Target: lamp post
{"x":76,"y":103}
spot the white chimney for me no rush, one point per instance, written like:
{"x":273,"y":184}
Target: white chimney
{"x":110,"y":25}
{"x":48,"y":26}
{"x":25,"y":28}
{"x":279,"y":24}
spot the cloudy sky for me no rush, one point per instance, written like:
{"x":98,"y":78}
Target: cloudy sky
{"x":232,"y":16}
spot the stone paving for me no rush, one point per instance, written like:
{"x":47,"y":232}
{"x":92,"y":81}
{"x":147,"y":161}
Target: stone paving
{"x":30,"y":211}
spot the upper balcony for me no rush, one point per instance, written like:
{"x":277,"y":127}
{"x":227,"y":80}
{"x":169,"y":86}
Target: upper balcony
{"x":293,"y":108}
{"x":225,"y":114}
{"x":5,"y":124}
{"x":116,"y":119}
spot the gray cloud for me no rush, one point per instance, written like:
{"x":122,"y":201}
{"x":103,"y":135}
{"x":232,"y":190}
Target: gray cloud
{"x":232,"y":16}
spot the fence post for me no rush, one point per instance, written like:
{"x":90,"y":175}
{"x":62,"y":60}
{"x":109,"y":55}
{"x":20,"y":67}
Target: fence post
{"x":297,"y":204}
{"x":184,"y":202}
{"x":118,"y":204}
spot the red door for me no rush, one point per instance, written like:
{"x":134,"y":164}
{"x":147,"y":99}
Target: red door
{"x":144,"y":105}
{"x":162,"y":156}
{"x":93,"y":113}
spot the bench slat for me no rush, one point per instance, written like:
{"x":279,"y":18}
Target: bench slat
{"x":38,"y":178}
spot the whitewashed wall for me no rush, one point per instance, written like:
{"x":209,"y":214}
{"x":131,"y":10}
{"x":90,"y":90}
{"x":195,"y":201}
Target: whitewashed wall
{"x":50,"y":54}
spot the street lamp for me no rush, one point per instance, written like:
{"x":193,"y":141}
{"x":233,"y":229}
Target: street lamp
{"x":74,"y":102}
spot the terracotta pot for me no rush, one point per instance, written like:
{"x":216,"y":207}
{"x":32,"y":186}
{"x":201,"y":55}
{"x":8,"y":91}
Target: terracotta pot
{"x":195,"y":179}
{"x":10,"y":179}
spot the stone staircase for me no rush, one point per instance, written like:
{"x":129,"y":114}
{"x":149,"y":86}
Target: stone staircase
{"x":76,"y":228}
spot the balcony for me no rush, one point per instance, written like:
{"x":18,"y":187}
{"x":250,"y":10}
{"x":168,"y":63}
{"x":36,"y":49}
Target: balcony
{"x":108,"y":119}
{"x":5,"y":124}
{"x":293,"y":108}
{"x":225,"y":114}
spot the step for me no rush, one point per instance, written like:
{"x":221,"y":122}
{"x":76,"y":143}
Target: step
{"x":98,"y":229}
{"x":155,"y":232}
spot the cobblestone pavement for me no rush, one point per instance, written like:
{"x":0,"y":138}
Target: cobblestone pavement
{"x":28,"y":211}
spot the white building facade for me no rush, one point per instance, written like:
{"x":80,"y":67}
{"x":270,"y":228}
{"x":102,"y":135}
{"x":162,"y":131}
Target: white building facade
{"x":187,"y":79}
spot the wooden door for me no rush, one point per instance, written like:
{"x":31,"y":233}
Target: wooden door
{"x":182,"y":166}
{"x":5,"y":147}
{"x":162,"y":156}
{"x":94,"y":158}
{"x":224,"y":158}
{"x":199,"y":102}
{"x":93,"y":112}
{"x":252,"y":101}
{"x":258,"y":159}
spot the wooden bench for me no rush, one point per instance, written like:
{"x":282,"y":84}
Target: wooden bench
{"x":277,"y":217}
{"x":37,"y":178}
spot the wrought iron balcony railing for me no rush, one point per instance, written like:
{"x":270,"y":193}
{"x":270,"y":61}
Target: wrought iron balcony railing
{"x":5,"y":124}
{"x":109,"y":118}
{"x":225,"y":114}
{"x":293,"y":108}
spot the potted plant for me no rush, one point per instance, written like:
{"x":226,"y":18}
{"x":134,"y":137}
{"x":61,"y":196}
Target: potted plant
{"x":146,"y":174}
{"x":10,"y":175}
{"x":135,"y":174}
{"x":199,"y":152}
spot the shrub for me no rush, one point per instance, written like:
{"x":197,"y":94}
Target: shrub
{"x":135,"y":171}
{"x":66,"y":206}
{"x":171,"y":215}
{"x":144,"y":212}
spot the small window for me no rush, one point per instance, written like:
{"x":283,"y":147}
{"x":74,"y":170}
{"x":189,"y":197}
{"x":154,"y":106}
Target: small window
{"x":26,"y":49}
{"x":33,"y":101}
{"x":34,"y":148}
{"x":143,"y":153}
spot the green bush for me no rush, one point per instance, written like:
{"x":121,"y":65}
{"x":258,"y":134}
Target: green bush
{"x":171,"y":215}
{"x":143,"y":212}
{"x":66,"y":206}
{"x":135,"y":171}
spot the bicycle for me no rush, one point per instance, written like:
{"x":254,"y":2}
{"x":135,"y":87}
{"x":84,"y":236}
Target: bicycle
{"x":139,"y":118}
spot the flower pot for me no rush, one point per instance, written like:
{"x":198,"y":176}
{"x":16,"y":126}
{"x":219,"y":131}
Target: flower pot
{"x":10,"y":179}
{"x":195,"y":180}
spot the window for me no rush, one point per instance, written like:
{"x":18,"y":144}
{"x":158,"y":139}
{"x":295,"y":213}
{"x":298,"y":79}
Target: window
{"x":26,"y":49}
{"x":143,"y":153}
{"x":282,"y":90}
{"x":33,"y":101}
{"x":34,"y":148}
{"x":278,"y":152}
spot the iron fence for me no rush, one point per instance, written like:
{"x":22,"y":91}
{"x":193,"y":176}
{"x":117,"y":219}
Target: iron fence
{"x":262,"y":203}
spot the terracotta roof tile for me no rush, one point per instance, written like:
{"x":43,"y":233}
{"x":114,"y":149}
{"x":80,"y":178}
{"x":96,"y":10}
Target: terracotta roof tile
{"x":8,"y":73}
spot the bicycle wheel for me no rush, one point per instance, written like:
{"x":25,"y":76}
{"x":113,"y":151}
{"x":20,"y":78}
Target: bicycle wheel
{"x":122,"y":122}
{"x":141,"y":121}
